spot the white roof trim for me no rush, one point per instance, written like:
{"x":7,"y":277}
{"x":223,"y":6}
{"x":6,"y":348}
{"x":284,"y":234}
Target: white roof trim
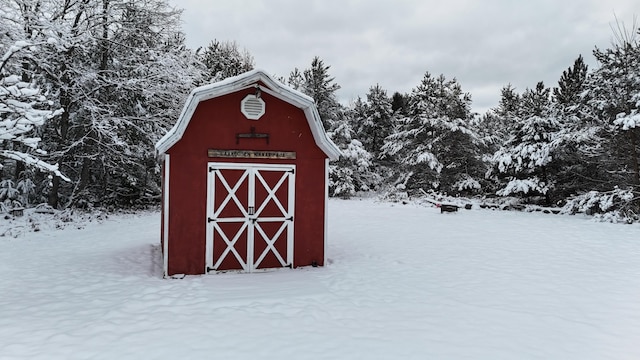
{"x":243,"y":81}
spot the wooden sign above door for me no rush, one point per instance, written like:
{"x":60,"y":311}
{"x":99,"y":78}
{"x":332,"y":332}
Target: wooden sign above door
{"x":251,"y":154}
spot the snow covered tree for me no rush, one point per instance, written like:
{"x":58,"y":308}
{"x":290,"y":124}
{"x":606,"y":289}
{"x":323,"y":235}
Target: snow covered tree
{"x":608,"y":136}
{"x":354,"y":170}
{"x":375,"y":122}
{"x":224,"y":59}
{"x":496,"y":124}
{"x":573,"y":169}
{"x":120,"y":71}
{"x":613,"y":97}
{"x":527,"y":155}
{"x":322,"y":88}
{"x":436,"y":144}
{"x":571,"y":84}
{"x":137,"y":94}
{"x":23,"y":108}
{"x":507,"y":113}
{"x":296,"y":80}
{"x":400,"y":104}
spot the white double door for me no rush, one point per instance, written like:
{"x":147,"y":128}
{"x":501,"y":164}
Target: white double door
{"x":250,"y":211}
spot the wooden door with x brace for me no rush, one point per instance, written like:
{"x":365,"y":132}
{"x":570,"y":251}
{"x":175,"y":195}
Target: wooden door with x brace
{"x":249,"y":216}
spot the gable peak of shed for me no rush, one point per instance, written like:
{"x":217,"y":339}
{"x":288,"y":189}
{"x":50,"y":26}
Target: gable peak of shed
{"x":241,"y":82}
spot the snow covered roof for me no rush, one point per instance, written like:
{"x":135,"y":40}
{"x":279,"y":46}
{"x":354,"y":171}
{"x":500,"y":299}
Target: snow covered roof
{"x":243,"y":81}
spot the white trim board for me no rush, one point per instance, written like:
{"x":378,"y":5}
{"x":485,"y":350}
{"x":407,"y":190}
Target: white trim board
{"x":326,"y":210}
{"x":165,"y":219}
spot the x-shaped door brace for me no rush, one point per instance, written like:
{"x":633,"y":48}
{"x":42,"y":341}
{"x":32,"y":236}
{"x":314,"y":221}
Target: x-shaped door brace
{"x":270,"y":244}
{"x":231,"y":193}
{"x":230,"y":246}
{"x":272,"y":193}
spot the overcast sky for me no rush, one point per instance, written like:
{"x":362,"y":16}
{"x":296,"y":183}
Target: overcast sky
{"x":484,"y":44}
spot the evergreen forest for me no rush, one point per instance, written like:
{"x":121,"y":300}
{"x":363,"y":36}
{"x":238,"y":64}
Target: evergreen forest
{"x":87,"y":87}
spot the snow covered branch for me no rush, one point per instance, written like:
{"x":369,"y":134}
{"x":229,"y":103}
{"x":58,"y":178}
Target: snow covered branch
{"x":21,"y":110}
{"x":31,"y":160}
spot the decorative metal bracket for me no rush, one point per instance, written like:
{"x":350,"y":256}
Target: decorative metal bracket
{"x":252,"y":135}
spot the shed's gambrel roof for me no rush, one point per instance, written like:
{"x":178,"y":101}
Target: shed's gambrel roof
{"x":243,"y":81}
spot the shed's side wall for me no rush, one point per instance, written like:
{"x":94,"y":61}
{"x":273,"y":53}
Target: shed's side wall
{"x":162,"y":213}
{"x":214,"y":125}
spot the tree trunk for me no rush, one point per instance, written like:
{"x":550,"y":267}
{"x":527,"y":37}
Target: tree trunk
{"x":20,"y":167}
{"x":65,"y":99}
{"x":84,"y":174}
{"x":104,"y":58}
{"x":547,"y":196}
{"x":53,"y":198}
{"x":63,"y":129}
{"x":634,"y":157}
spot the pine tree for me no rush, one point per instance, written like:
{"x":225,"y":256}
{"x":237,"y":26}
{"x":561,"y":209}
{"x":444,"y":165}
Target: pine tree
{"x":400,"y":104}
{"x":527,"y":157}
{"x":296,"y":80}
{"x":571,"y":84}
{"x":322,"y":88}
{"x":613,"y":96}
{"x":608,"y":137}
{"x":354,"y":170}
{"x":573,"y":169}
{"x":375,"y":120}
{"x":225,"y":59}
{"x":435,"y":144}
{"x":497,"y":123}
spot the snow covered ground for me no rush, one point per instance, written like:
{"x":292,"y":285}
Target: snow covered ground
{"x":404,"y":282}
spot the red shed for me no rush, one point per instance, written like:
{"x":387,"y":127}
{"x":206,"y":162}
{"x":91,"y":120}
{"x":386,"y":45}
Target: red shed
{"x":245,"y":179}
